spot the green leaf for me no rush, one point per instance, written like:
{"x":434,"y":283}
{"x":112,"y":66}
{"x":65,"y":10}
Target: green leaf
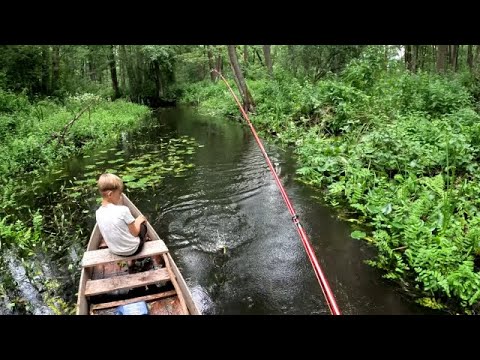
{"x":358,"y":234}
{"x":387,"y":209}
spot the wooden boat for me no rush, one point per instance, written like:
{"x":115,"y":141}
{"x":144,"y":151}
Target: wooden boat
{"x":106,"y":284}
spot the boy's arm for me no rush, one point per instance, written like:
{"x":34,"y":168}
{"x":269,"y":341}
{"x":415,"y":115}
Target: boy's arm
{"x":134,"y":226}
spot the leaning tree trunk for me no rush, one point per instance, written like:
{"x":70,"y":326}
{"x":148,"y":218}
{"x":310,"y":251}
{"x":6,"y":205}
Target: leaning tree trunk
{"x":442,"y":51}
{"x":113,"y":72}
{"x":239,"y":86}
{"x":268,"y":59}
{"x":259,"y":57}
{"x":248,"y":103}
{"x":55,"y":68}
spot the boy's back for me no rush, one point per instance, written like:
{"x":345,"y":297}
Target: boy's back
{"x":113,"y":222}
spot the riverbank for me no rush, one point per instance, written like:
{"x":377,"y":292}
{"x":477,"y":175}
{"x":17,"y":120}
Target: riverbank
{"x":35,"y":138}
{"x":398,"y":154}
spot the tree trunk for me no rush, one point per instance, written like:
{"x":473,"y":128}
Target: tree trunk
{"x":248,"y":103}
{"x":415,"y":57}
{"x":268,"y":59}
{"x":470,"y":57}
{"x":139,"y":72}
{"x":454,"y":57}
{"x":408,"y":57}
{"x":385,"y":57}
{"x":291,"y":55}
{"x":421,"y":56}
{"x":125,"y":74}
{"x":477,"y":54}
{"x":213,"y":75}
{"x":442,"y":51}
{"x":92,"y":68}
{"x":55,"y":68}
{"x":123,"y":84}
{"x":45,"y":79}
{"x":245,"y":54}
{"x":113,"y":72}
{"x":130,"y":73}
{"x":219,"y":66}
{"x":158,"y":78}
{"x":259,"y":57}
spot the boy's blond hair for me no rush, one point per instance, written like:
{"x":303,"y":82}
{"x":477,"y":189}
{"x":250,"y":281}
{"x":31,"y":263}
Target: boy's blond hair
{"x":107,"y":182}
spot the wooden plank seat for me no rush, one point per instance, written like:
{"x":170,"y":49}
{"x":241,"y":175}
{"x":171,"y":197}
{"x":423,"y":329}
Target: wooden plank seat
{"x":146,"y":298}
{"x":103,"y":286}
{"x":104,"y":256}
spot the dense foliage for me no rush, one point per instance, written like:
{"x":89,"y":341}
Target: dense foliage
{"x":390,"y":133}
{"x":397,"y":151}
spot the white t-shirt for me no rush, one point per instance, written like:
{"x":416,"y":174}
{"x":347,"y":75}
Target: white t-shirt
{"x":113,"y":223}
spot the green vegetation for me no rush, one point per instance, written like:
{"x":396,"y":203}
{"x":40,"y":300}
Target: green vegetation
{"x":397,"y":151}
{"x":35,"y":138}
{"x":392,"y":139}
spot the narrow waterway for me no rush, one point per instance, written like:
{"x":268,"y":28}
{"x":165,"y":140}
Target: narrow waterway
{"x":231,"y":234}
{"x":225,"y":223}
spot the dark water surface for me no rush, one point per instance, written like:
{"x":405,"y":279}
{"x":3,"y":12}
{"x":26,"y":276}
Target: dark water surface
{"x":232,"y":236}
{"x":229,"y":230}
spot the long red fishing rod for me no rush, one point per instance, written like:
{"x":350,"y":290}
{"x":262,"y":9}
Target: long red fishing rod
{"x":327,"y":292}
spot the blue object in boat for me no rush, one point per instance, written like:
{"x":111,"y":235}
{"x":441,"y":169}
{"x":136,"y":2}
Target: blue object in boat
{"x":137,"y":308}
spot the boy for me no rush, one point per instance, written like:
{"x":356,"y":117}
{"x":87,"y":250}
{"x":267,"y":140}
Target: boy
{"x":123,"y":234}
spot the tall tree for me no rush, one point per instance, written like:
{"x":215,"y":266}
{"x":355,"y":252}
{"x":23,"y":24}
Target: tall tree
{"x":139,"y":70}
{"x":408,"y":57}
{"x":219,"y":65}
{"x":113,"y":72}
{"x":55,"y":68}
{"x":454,"y":57}
{"x":415,"y":54}
{"x":123,"y":69}
{"x":158,"y":79}
{"x":421,"y":56}
{"x":92,"y":65}
{"x":129,"y":67}
{"x":442,"y":51}
{"x":213,"y":75}
{"x":45,"y":79}
{"x":245,"y":54}
{"x":470,"y":57}
{"x":248,"y":103}
{"x":268,"y":59}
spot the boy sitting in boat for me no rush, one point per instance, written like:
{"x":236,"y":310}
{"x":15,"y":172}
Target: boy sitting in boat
{"x":123,"y":234}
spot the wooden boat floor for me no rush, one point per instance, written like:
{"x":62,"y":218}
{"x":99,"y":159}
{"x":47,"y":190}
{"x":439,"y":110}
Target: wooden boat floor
{"x":104,"y":271}
{"x":118,"y":268}
{"x":166,"y":306}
